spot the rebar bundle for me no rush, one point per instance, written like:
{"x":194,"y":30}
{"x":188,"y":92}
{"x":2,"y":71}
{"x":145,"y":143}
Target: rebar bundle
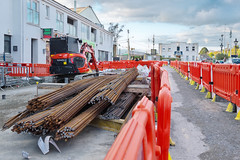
{"x":15,"y":119}
{"x":63,"y":117}
{"x":60,"y":95}
{"x":112,"y":90}
{"x":75,"y":126}
{"x":117,"y":111}
{"x":66,"y":112}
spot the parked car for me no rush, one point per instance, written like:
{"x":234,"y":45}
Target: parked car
{"x":233,"y":61}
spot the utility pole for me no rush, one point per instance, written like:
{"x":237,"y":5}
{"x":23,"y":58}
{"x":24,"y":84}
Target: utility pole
{"x":129,"y":57}
{"x":153,"y":41}
{"x":221,"y":45}
{"x":230,"y":43}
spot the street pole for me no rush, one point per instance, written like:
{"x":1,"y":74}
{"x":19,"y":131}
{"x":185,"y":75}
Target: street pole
{"x":153,"y":41}
{"x":129,"y":58}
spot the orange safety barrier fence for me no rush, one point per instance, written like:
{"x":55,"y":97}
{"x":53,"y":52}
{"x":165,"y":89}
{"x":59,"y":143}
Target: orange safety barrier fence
{"x":221,"y":79}
{"x":27,"y":69}
{"x":206,"y":76}
{"x":184,"y":68}
{"x":164,"y":79}
{"x":163,"y":122}
{"x":237,"y":89}
{"x":103,"y":65}
{"x":225,"y":81}
{"x":137,"y":139}
{"x":195,"y":71}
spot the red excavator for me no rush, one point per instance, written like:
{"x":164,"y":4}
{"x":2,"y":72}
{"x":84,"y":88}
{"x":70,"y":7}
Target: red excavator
{"x":67,"y":61}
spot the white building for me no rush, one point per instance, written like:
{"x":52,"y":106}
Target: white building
{"x":23,"y":23}
{"x":183,"y":50}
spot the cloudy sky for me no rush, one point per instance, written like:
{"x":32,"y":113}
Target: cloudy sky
{"x":200,"y":21}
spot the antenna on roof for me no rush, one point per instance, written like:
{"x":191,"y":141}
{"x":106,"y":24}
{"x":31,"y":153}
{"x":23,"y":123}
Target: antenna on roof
{"x":75,"y":5}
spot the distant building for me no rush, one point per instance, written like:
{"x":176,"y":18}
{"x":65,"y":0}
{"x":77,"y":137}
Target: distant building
{"x":27,"y":25}
{"x":184,"y":51}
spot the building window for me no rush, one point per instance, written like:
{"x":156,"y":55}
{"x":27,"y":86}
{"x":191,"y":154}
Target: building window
{"x":193,"y":48}
{"x":47,"y":12}
{"x":163,"y":49}
{"x":169,"y":49}
{"x":59,"y":22}
{"x":93,"y":34}
{"x":101,"y":38}
{"x":7,"y":44}
{"x":33,"y":12}
{"x":85,"y":32}
{"x":186,"y":58}
{"x":178,"y":48}
{"x":193,"y":58}
{"x":169,"y":56}
{"x":72,"y":28}
{"x":187,"y":48}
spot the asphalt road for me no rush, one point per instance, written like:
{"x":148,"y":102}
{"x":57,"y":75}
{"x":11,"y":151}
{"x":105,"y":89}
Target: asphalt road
{"x":201,"y":128}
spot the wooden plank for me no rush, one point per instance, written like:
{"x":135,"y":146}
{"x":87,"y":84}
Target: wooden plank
{"x":110,"y":125}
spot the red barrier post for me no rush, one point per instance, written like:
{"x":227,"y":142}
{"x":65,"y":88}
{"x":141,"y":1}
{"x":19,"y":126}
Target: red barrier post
{"x":163,"y":122}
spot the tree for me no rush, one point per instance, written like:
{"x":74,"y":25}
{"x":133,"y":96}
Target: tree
{"x":221,"y":56}
{"x":211,"y":54}
{"x":204,"y":50}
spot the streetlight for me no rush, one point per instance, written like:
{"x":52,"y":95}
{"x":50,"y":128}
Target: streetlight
{"x":236,"y":42}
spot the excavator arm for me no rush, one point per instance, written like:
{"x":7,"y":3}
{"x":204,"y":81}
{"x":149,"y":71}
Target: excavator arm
{"x":85,"y":49}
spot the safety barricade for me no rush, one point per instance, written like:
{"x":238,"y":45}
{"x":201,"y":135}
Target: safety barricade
{"x":27,"y":69}
{"x":195,"y":71}
{"x":237,"y":90}
{"x":137,"y":139}
{"x":225,"y":81}
{"x":163,"y":122}
{"x":184,"y":68}
{"x":164,"y":81}
{"x":40,"y":70}
{"x":206,"y":76}
{"x":155,"y":81}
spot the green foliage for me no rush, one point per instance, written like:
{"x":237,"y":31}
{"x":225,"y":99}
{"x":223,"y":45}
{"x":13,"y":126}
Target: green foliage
{"x":221,"y":56}
{"x":204,"y":50}
{"x":211,"y":54}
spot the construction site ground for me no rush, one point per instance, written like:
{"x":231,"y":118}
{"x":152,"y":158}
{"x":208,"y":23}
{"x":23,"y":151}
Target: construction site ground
{"x":92,"y":143}
{"x":200,"y":128}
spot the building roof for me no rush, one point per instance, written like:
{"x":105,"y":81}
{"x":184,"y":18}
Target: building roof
{"x":79,"y":9}
{"x":88,"y":13}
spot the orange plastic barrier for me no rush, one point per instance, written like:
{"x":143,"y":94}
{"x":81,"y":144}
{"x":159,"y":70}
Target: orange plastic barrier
{"x":163,"y":123}
{"x":174,"y":64}
{"x":103,"y":65}
{"x":164,"y":79}
{"x":156,"y":77}
{"x":27,"y":69}
{"x":206,"y":76}
{"x":225,"y":81}
{"x":195,"y":71}
{"x":137,"y":139}
{"x":237,"y":89}
{"x":184,"y":68}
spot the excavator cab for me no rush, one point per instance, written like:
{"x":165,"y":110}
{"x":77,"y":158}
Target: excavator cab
{"x":66,"y":58}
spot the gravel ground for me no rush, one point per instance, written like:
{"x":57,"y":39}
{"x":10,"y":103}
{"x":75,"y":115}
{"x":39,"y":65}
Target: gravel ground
{"x":201,"y":128}
{"x":91,"y":144}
